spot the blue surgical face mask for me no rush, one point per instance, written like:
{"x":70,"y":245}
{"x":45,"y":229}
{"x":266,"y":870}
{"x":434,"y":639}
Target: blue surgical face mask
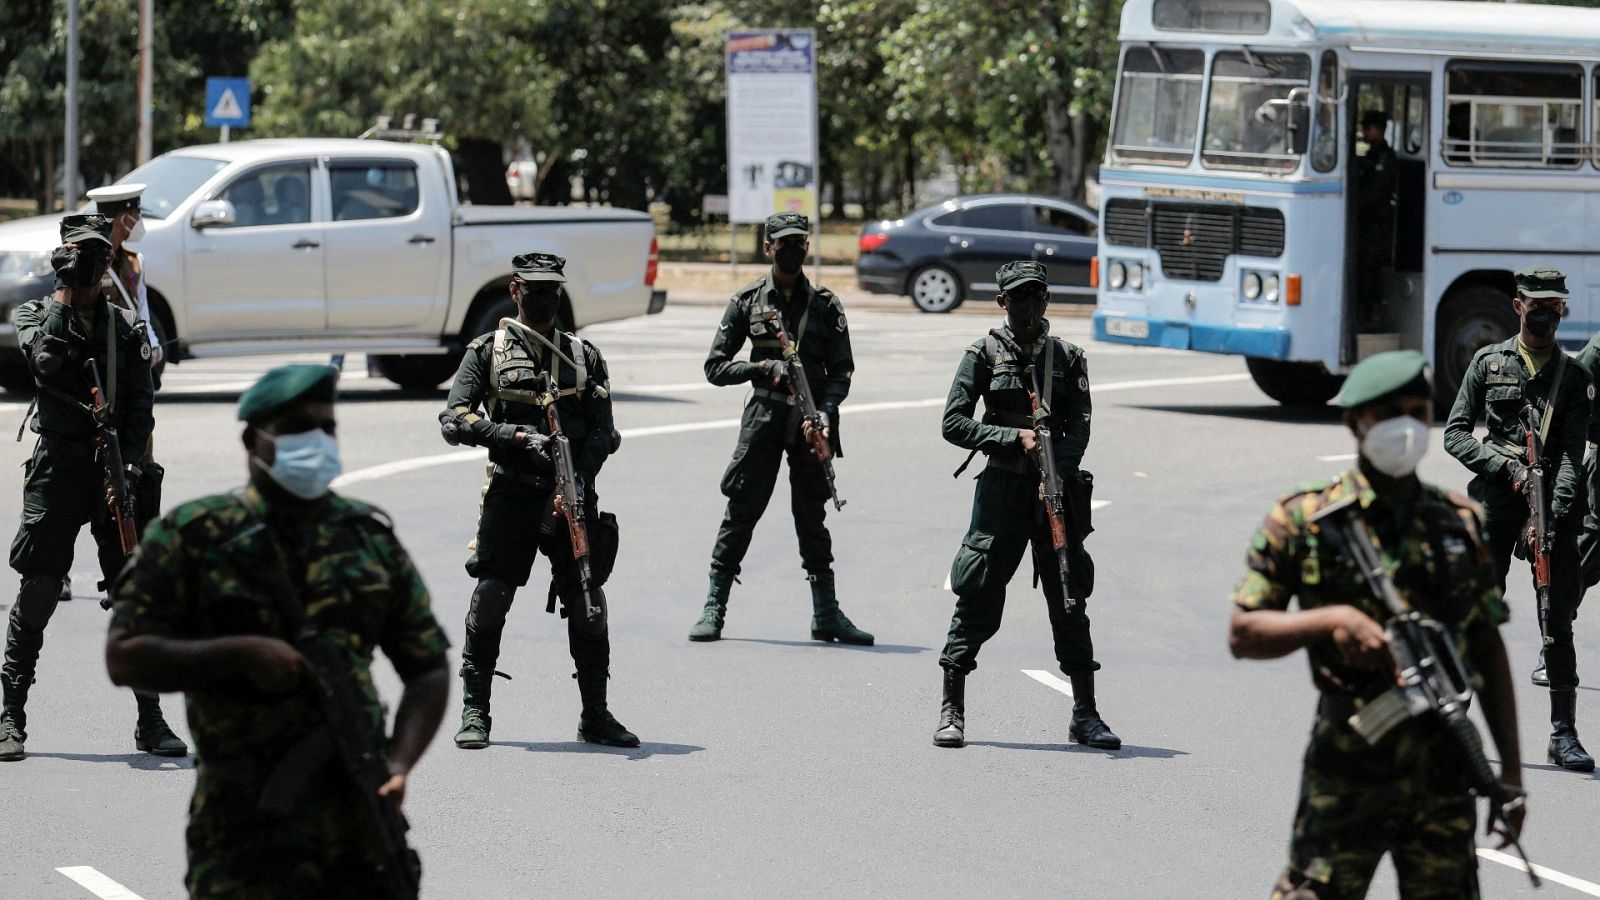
{"x":304,"y":464}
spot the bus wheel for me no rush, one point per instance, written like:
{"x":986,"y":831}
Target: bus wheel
{"x":1293,"y":384}
{"x":1472,"y":318}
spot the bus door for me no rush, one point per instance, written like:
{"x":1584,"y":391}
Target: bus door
{"x":1386,"y":200}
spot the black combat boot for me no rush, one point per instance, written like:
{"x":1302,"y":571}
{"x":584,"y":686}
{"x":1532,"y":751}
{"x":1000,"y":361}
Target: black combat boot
{"x":475,"y":719}
{"x":1539,"y":677}
{"x":597,"y":725}
{"x":709,"y":626}
{"x":1087,"y":727}
{"x":953,"y":713}
{"x":23,"y":643}
{"x":1565,"y":749}
{"x":828,"y":622}
{"x":152,"y":734}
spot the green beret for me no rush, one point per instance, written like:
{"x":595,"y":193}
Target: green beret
{"x":785,"y":224}
{"x":285,"y":385}
{"x":1536,"y":284}
{"x":539,"y":267}
{"x":1403,"y":372}
{"x":76,"y":229}
{"x":1014,"y":274}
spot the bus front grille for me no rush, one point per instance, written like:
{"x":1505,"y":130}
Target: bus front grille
{"x":1194,"y":239}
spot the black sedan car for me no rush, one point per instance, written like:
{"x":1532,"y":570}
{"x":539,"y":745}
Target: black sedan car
{"x":945,"y":254}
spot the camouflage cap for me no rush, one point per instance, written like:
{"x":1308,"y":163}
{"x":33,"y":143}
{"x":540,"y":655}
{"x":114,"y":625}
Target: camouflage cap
{"x":539,"y":267}
{"x":1402,"y":372}
{"x":1013,"y":274}
{"x":785,"y":224}
{"x":285,"y":385}
{"x":1536,"y":284}
{"x":76,"y":229}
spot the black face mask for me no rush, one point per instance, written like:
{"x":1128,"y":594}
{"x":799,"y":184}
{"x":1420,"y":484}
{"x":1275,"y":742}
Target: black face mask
{"x":790,"y":259}
{"x":78,"y":268}
{"x":540,"y":304}
{"x":1542,"y":322}
{"x":1024,"y":309}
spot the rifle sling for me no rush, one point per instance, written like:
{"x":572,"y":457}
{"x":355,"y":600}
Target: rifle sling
{"x":1555,"y":392}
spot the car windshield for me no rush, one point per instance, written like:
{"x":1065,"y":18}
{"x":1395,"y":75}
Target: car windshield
{"x":1246,"y":120}
{"x":169,"y":180}
{"x":1158,"y":106}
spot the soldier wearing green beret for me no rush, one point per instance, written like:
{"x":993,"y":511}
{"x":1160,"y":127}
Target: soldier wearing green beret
{"x":219,"y":601}
{"x":1531,"y":372}
{"x":61,"y":336}
{"x":1359,"y":801}
{"x":1007,"y":514}
{"x":813,"y":319}
{"x":497,"y":402}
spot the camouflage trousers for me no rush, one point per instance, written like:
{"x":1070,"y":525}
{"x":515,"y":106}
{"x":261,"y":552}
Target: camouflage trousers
{"x":1359,"y":802}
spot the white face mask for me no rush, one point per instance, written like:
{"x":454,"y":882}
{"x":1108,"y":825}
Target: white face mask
{"x":136,"y":233}
{"x":304,"y":464}
{"x":1395,"y":446}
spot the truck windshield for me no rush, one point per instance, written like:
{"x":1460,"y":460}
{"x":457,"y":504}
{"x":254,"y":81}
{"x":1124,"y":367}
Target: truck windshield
{"x":169,"y":180}
{"x":1158,"y":106}
{"x":1245,"y":128}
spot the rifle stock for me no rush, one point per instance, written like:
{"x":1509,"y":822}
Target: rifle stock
{"x":800,"y":392}
{"x":569,"y":505}
{"x":1051,"y":490}
{"x":108,"y":452}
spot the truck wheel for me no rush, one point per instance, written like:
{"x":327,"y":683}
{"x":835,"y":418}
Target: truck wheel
{"x":1293,"y":384}
{"x":14,"y":374}
{"x":1472,"y":318}
{"x":421,"y":372}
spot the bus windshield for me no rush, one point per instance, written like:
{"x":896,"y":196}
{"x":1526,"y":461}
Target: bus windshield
{"x":1245,"y":128}
{"x":1158,"y":106}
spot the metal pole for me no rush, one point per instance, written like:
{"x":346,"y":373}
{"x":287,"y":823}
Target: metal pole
{"x":69,"y":164}
{"x":733,"y":246}
{"x":146,"y":114}
{"x":224,"y":134}
{"x":816,"y":164}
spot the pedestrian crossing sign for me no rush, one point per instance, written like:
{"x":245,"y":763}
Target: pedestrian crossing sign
{"x":227,"y":102}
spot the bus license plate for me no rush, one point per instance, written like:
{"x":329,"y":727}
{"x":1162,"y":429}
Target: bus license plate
{"x":1128,"y":328}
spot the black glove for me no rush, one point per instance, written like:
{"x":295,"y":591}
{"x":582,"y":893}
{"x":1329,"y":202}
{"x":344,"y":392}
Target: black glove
{"x":1516,"y":473}
{"x":773,"y":372}
{"x":52,"y":354}
{"x":537,"y":447}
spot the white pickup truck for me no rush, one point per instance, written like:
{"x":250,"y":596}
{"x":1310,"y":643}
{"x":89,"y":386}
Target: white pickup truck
{"x":334,"y":245}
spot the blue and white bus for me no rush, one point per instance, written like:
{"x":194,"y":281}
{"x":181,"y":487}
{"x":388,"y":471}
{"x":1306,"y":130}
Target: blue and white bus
{"x":1238,"y":211}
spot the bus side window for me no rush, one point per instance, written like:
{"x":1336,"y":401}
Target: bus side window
{"x":1521,"y":115}
{"x":1325,"y":148}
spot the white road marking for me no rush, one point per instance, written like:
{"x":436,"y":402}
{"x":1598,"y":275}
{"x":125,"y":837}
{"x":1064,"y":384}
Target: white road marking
{"x":90,"y":878}
{"x":683,"y":387}
{"x":1551,"y":875}
{"x":947,"y":587}
{"x":1049,"y":680}
{"x":444,"y":459}
{"x":1337,"y":457}
{"x":218,"y":387}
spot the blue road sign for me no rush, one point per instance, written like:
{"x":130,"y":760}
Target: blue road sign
{"x":227,"y":102}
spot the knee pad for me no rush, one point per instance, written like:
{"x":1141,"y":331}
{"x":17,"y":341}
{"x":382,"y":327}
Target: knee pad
{"x":37,"y":599}
{"x":491,"y":600}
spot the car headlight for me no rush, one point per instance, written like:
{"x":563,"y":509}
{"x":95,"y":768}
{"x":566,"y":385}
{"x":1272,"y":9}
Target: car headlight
{"x":1271,"y":289}
{"x":24,"y":264}
{"x":1252,"y":286}
{"x":1136,"y":276}
{"x":1118,"y":275}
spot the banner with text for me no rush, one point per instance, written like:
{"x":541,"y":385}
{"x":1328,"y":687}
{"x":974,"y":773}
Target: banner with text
{"x":772,"y":123}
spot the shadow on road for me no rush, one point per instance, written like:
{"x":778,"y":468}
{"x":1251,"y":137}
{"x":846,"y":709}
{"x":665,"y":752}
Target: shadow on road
{"x":1286,"y":415}
{"x":823,"y":645}
{"x":133,"y":760}
{"x":644,"y":751}
{"x":1546,"y":767}
{"x":1128,"y":751}
{"x":381,"y":395}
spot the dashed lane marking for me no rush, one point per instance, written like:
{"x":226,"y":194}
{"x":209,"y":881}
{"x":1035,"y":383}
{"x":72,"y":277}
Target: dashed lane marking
{"x":1550,"y":875}
{"x":1049,"y":680}
{"x":1337,"y":457}
{"x":91,"y":879}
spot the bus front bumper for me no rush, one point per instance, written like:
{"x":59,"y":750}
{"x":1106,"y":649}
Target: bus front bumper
{"x":1268,"y":343}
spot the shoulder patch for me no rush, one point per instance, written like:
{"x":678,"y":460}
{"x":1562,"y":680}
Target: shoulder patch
{"x":479,"y":341}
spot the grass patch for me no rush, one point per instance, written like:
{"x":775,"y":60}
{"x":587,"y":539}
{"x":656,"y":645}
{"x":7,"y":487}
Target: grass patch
{"x":838,"y":243}
{"x":16,"y":208}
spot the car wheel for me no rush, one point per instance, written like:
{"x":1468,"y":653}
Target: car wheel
{"x":421,"y":372}
{"x":936,"y":289}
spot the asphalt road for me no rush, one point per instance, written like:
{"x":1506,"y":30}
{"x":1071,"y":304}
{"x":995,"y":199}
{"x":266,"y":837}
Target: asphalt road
{"x":773,"y":765}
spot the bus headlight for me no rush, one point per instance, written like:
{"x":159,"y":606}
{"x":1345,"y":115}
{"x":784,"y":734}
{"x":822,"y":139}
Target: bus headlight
{"x":1252,"y":286}
{"x":1136,"y":276}
{"x":1271,"y":289}
{"x":1117,"y":275}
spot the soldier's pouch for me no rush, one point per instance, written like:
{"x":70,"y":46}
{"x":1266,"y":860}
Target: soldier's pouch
{"x":1080,"y":579}
{"x":604,"y":539}
{"x":733,"y":478}
{"x":1080,"y":496}
{"x":147,"y":491}
{"x":971,"y":565}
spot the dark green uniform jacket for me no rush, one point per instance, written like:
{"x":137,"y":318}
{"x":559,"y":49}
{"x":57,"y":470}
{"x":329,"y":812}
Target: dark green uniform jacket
{"x":121,"y":352}
{"x":997,"y":369}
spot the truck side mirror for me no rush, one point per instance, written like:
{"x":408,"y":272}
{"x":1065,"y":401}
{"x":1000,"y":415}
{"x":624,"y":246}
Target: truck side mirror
{"x":213,"y":213}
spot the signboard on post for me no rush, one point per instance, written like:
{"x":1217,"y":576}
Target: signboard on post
{"x":227,"y":103}
{"x":772,"y":123}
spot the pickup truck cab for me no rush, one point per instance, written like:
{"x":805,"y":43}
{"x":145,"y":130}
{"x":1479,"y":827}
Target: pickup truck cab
{"x":336,"y":245}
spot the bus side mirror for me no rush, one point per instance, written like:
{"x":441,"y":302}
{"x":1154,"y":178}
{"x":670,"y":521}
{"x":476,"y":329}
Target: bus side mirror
{"x":1297,"y":133}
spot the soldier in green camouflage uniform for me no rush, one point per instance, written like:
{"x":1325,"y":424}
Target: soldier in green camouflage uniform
{"x":517,"y":522}
{"x":63,"y":484}
{"x":196,"y":611}
{"x":1359,"y":801}
{"x":813,"y":319}
{"x":1531,"y":369}
{"x":1007,"y":514}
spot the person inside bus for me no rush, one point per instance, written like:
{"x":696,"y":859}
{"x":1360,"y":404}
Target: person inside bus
{"x":1376,"y":179}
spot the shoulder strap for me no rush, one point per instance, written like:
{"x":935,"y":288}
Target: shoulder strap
{"x":1555,"y":392}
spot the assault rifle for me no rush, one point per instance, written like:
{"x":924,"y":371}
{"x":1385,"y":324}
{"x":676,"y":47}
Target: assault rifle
{"x":108,"y":452}
{"x":794,"y":373}
{"x":1540,"y":535}
{"x":1432,"y":682}
{"x":569,"y":505}
{"x":1051,"y":489}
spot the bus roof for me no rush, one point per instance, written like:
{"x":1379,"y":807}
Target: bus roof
{"x":1511,"y":29}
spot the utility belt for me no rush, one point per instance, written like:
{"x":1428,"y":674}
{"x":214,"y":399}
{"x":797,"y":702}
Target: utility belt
{"x":79,"y":448}
{"x":783,"y":397}
{"x":1019,"y":465}
{"x":533,"y":479}
{"x":1010,"y":462}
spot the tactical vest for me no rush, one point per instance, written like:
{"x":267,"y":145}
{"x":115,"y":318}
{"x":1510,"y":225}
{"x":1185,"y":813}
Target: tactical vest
{"x":510,"y":371}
